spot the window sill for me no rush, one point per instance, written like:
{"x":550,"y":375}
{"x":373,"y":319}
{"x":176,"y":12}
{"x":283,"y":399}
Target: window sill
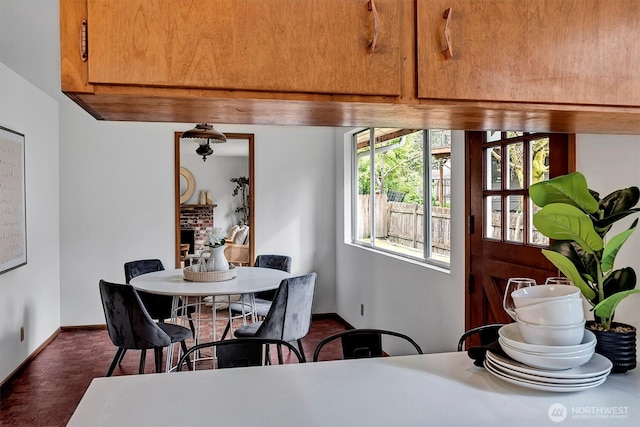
{"x":430,"y":264}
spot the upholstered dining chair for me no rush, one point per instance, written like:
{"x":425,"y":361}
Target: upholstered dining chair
{"x":240,"y":352}
{"x":362,"y":343}
{"x":486,"y":333}
{"x":130,"y":326}
{"x":158,"y":306}
{"x":262,"y":300}
{"x":289,"y":318}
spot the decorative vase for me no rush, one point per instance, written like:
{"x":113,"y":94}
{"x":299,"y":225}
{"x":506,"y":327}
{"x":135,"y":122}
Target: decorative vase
{"x":618,"y":347}
{"x":217,"y":260}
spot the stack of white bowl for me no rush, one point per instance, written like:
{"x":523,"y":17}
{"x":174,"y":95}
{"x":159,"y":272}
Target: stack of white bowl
{"x":550,"y":328}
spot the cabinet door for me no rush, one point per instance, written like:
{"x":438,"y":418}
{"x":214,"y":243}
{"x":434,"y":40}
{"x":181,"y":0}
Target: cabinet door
{"x":542,"y":51}
{"x":318,"y":46}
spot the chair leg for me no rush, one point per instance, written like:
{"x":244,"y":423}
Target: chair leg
{"x":226,"y":330}
{"x":157,"y":352}
{"x":184,"y":350}
{"x":267,"y":355}
{"x":304,"y":359}
{"x":124,"y":350}
{"x":191,"y":326}
{"x":143,"y":357}
{"x":116,"y":360}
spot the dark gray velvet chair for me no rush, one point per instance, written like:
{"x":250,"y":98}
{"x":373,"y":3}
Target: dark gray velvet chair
{"x":486,"y":333}
{"x":362,"y":343}
{"x":263,"y":299}
{"x":289,"y":318}
{"x":131,"y":328}
{"x":158,"y":306}
{"x":240,"y":352}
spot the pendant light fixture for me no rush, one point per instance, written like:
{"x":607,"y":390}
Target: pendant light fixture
{"x":205,"y":134}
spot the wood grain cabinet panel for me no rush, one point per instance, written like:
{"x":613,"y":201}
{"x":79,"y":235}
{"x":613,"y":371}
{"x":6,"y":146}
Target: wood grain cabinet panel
{"x":580,"y":52}
{"x":318,"y":46}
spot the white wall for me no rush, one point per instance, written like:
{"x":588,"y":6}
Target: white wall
{"x":30,"y":295}
{"x":117,"y":202}
{"x":422,"y":302}
{"x":611,"y":162}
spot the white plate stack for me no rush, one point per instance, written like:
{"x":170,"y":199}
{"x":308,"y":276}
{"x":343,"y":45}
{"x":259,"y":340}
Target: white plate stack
{"x":548,"y":367}
{"x":591,"y":374}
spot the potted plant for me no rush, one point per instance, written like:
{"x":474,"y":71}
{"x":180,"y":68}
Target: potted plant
{"x":242,"y":188}
{"x":578,"y":220}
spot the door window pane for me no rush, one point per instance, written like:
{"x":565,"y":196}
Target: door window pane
{"x":494,"y":168}
{"x":539,"y":160}
{"x":535,"y":237}
{"x":515,"y":220}
{"x":493,"y":218}
{"x":515,"y":166}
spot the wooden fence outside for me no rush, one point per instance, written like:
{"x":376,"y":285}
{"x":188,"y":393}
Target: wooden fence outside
{"x":402,"y":224}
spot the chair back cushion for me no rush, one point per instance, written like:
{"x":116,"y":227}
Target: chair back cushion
{"x":289,"y":318}
{"x":239,"y":354}
{"x":277,"y":262}
{"x":128,"y":323}
{"x":158,"y":306}
{"x":362,"y":346}
{"x":141,"y":266}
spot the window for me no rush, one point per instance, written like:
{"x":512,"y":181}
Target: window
{"x":402,"y":192}
{"x":513,"y":161}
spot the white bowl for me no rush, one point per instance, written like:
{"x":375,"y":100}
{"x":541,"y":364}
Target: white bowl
{"x":541,"y":293}
{"x":546,"y":361}
{"x":586,"y":350}
{"x":510,"y":334}
{"x":551,"y":335}
{"x":565,"y":311}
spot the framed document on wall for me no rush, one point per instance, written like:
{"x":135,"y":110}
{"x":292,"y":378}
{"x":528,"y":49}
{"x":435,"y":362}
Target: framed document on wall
{"x":13,"y":210}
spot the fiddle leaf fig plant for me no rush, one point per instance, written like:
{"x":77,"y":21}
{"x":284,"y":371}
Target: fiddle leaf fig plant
{"x":578,"y":220}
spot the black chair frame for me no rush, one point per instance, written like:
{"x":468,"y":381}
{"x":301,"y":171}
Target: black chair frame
{"x":247,"y":348}
{"x":487,"y":333}
{"x":362,"y":343}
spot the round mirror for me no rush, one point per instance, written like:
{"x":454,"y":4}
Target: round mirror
{"x":189,"y":187}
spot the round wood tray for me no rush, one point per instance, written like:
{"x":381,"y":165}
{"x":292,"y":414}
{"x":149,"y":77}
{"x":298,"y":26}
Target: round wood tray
{"x":210,"y":276}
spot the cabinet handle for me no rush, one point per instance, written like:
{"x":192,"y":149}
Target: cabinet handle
{"x":447,"y":49}
{"x":83,"y":41}
{"x":376,"y":24}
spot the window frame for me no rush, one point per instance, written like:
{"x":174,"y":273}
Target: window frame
{"x":427,"y":258}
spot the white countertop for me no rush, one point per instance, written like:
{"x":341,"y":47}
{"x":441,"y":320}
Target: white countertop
{"x":443,"y":389}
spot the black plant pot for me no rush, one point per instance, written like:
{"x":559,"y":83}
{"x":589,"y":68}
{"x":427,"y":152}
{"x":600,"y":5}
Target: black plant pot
{"x":618,"y":347}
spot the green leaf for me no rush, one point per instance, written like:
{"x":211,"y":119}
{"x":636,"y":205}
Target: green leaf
{"x":620,"y":201}
{"x":607,"y":307}
{"x":613,"y":246}
{"x":605,"y":223}
{"x":620,"y":280}
{"x":571,"y":189}
{"x":566,"y":222}
{"x":565,"y":265}
{"x":586,"y":263}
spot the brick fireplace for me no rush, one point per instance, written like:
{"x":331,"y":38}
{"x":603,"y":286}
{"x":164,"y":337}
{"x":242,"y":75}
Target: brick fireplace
{"x":196,"y":221}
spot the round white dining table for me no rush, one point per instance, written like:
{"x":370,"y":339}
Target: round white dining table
{"x":172,"y":282}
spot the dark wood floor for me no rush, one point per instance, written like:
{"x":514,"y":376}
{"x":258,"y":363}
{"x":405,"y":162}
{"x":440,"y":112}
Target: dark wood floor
{"x":48,"y":389}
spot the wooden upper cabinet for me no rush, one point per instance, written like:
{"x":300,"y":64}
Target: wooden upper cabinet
{"x":581,"y":52}
{"x":319,"y":46}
